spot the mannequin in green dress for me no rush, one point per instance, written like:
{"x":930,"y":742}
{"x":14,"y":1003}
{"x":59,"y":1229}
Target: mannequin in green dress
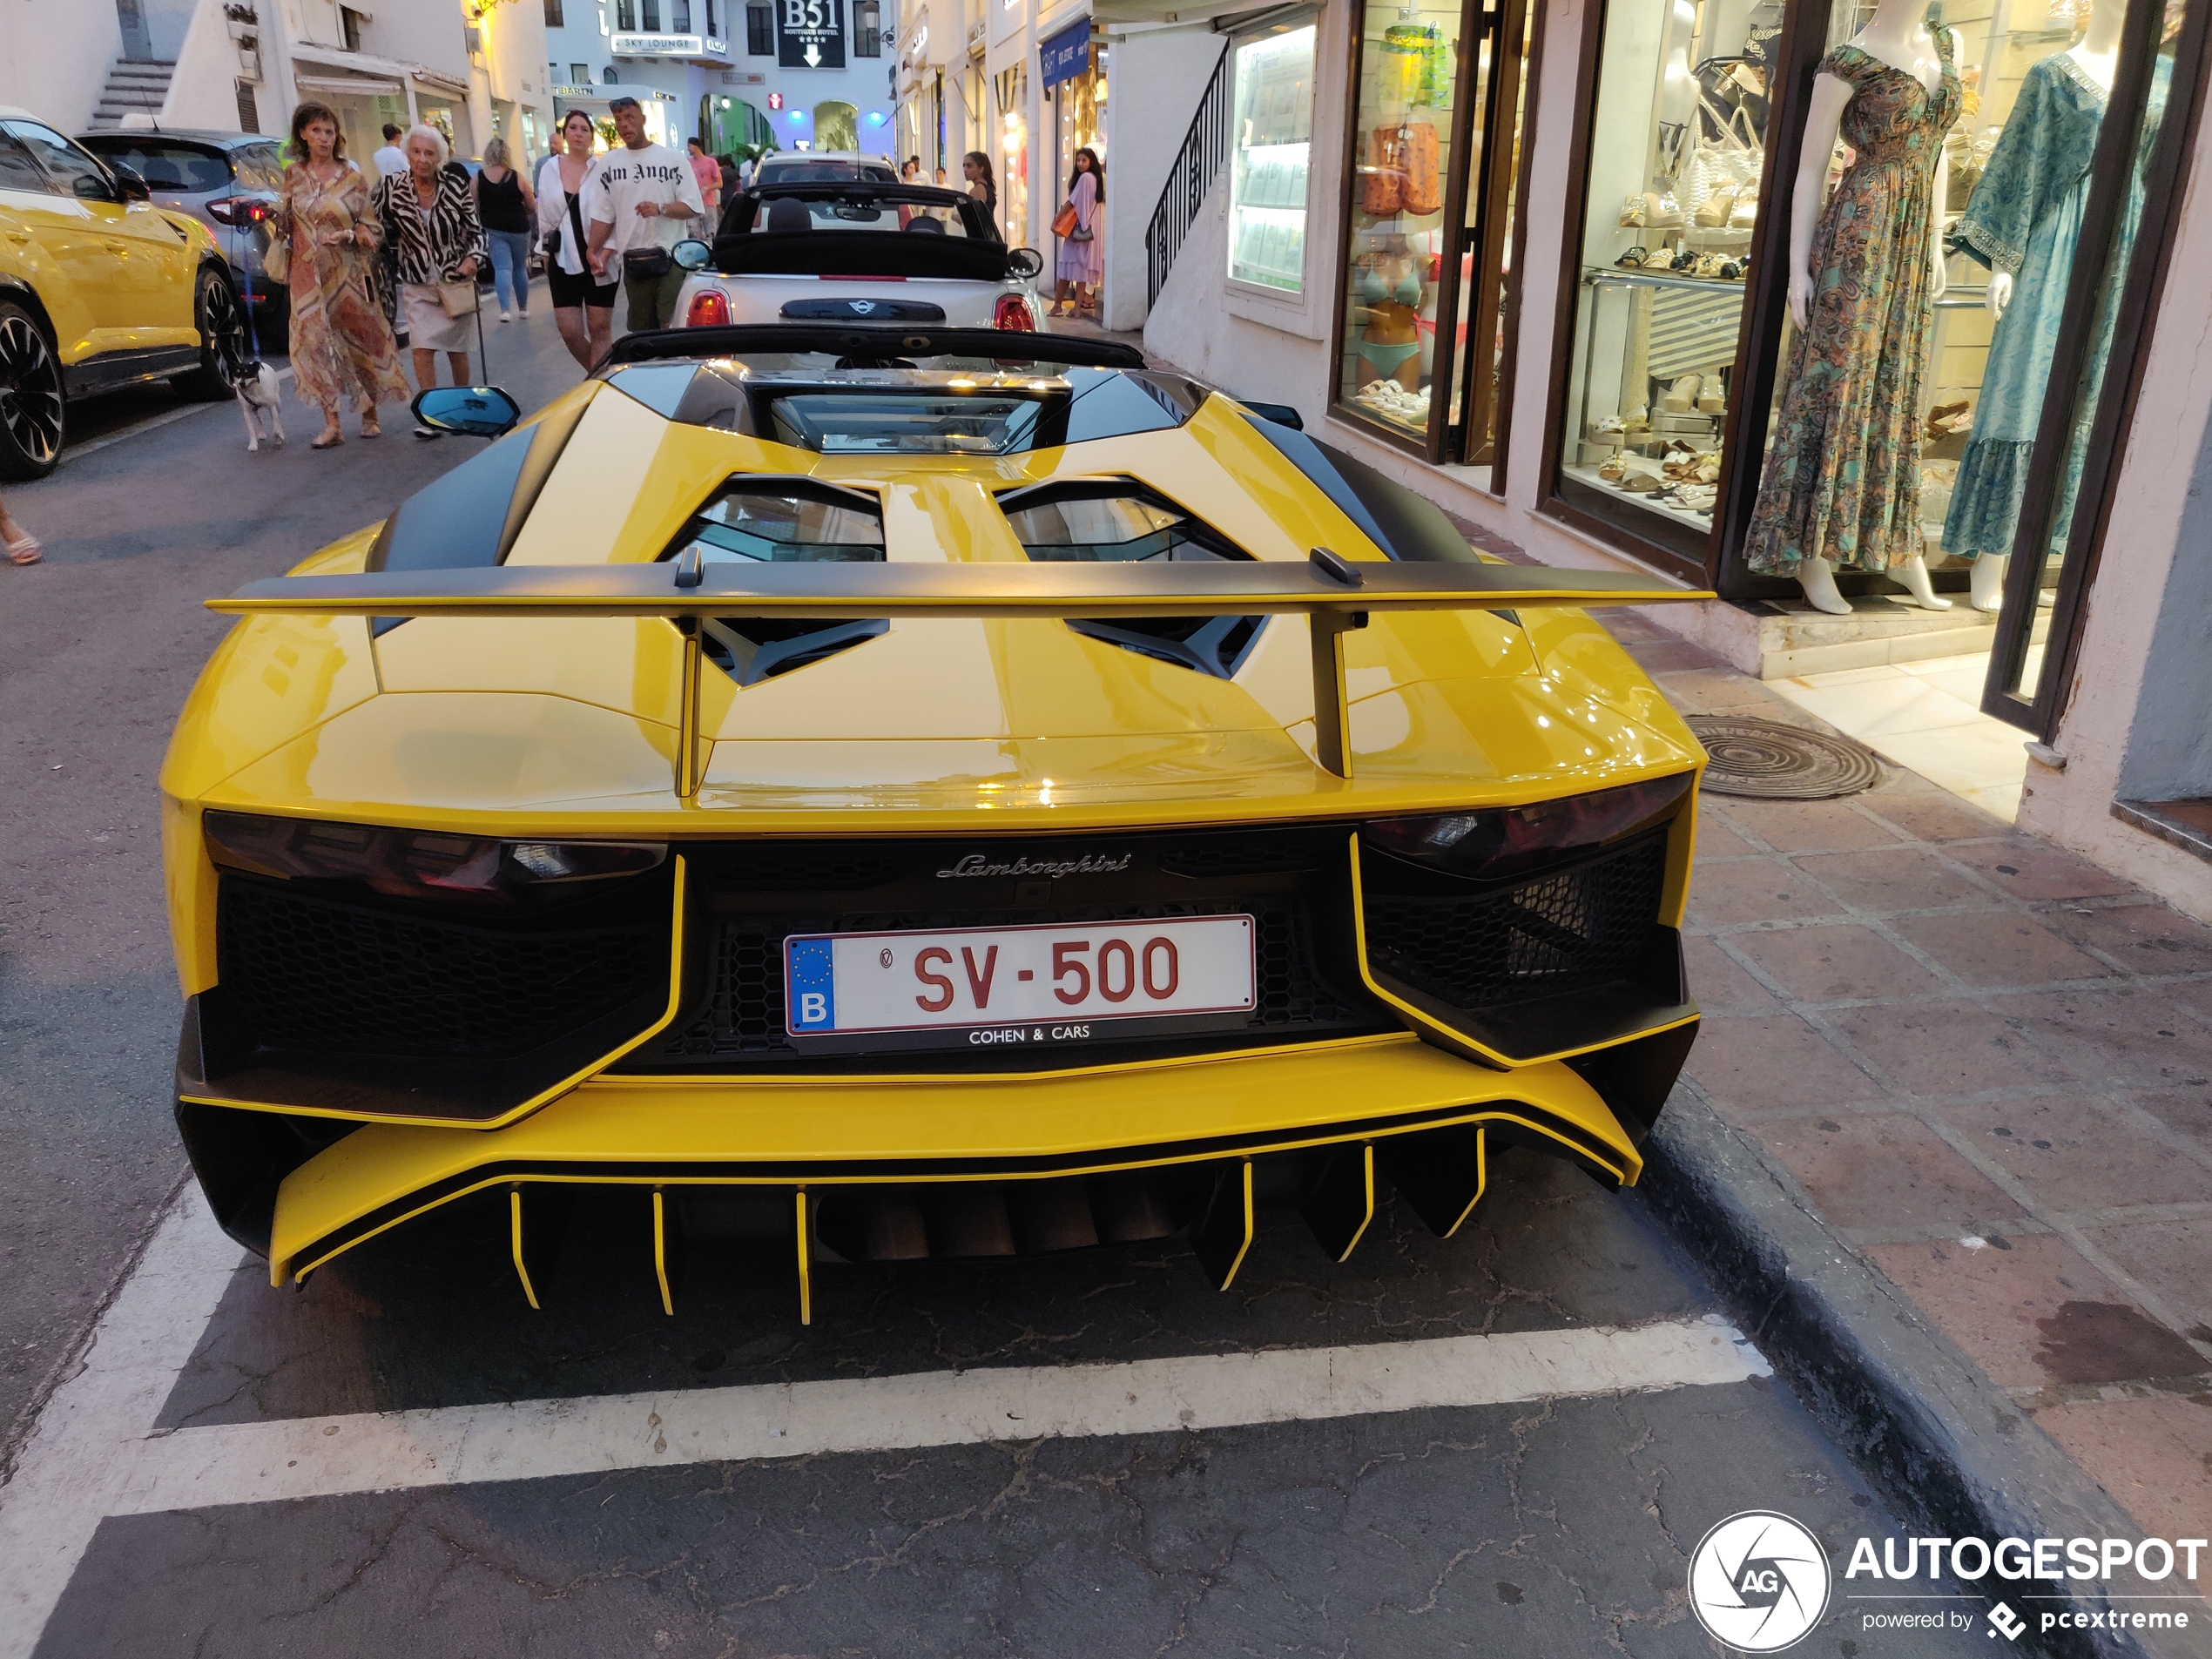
{"x":1841,"y":479}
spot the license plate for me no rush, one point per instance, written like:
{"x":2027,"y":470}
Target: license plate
{"x":1044,"y":976}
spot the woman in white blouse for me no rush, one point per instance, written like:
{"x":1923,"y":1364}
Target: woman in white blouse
{"x":583,"y":308}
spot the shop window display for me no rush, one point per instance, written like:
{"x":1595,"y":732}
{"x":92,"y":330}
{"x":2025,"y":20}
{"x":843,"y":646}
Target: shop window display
{"x":1676,"y":154}
{"x":1402,"y":141}
{"x":1947,"y":385}
{"x":1270,"y":144}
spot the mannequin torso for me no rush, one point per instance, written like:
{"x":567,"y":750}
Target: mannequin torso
{"x":2097,"y":56}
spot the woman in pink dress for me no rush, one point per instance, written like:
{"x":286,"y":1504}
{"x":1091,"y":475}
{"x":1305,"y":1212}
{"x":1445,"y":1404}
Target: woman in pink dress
{"x":341,"y":347}
{"x":1082,"y":258}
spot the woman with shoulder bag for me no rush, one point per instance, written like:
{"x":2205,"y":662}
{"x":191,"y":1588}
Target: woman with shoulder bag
{"x":1082,"y":263}
{"x":430,"y":217}
{"x":584,"y":306}
{"x":322,"y":238}
{"x":504,"y":205}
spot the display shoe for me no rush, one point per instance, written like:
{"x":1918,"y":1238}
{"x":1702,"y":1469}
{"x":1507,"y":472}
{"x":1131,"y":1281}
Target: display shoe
{"x":1639,"y":419}
{"x":1941,"y":418}
{"x":1633,"y":259}
{"x":1679,"y":396}
{"x":1686,"y":261}
{"x":1660,"y":258}
{"x":1612,"y":471}
{"x":1712,"y":396}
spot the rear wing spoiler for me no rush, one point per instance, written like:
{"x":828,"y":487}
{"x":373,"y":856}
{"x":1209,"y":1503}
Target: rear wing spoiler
{"x":1335,"y":594}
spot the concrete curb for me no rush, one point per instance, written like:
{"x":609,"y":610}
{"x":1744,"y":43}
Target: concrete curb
{"x":1947,"y":1449}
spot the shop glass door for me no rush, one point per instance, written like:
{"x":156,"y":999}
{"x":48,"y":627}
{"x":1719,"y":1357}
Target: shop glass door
{"x":1501,"y":80}
{"x":1423,"y":111}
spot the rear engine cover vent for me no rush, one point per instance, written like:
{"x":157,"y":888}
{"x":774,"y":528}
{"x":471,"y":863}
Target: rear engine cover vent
{"x":782,"y":520}
{"x":1119,"y":521}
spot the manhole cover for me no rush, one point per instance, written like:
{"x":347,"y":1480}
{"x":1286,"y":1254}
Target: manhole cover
{"x":1771,"y":761}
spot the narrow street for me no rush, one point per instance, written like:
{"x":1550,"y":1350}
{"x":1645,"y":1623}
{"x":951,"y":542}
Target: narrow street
{"x":602,"y":1478}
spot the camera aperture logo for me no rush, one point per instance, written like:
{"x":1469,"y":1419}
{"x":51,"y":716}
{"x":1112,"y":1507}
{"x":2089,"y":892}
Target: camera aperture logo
{"x":1758,"y":1581}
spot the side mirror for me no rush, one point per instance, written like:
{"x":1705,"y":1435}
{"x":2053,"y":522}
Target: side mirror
{"x":130,"y":183}
{"x":691,"y":254}
{"x":1024,"y":262}
{"x":1281,"y":414}
{"x":471,"y":411}
{"x":92,"y":188}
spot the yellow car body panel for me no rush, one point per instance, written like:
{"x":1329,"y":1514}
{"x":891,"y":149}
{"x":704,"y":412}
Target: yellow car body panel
{"x":568,"y":728}
{"x":111,"y":276}
{"x":817,"y":1134}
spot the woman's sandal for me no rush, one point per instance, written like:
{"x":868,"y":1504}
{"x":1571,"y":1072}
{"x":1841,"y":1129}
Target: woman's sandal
{"x":370,"y":429}
{"x":329,"y":440}
{"x":24,"y":549}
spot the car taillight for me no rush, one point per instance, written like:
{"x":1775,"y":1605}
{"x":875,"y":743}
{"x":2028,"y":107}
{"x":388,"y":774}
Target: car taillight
{"x":710,"y":309}
{"x":1504,"y":840}
{"x":1013,"y":312}
{"x":419,"y":864}
{"x":238,"y":210}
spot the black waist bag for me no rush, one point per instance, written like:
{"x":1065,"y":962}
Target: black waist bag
{"x":647,"y":262}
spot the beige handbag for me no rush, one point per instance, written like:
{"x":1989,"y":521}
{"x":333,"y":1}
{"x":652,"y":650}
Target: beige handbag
{"x":458,"y":297}
{"x":276,"y":258}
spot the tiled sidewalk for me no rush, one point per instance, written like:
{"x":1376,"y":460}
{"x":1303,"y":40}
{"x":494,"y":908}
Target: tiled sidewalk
{"x":1990,"y":1064}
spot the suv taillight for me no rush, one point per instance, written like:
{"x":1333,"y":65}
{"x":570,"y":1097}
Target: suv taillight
{"x":1013,"y":312}
{"x":710,"y":309}
{"x":238,"y":210}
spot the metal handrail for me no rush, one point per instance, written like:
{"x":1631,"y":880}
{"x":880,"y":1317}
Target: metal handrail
{"x":1190,"y":177}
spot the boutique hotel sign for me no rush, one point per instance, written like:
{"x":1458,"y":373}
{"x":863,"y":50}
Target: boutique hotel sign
{"x":810,"y":34}
{"x":669,"y":46}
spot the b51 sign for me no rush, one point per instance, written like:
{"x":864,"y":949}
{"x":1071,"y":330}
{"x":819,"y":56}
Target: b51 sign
{"x":810,"y":34}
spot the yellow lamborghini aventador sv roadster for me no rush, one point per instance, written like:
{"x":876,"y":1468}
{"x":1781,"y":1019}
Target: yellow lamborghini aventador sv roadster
{"x":905,"y":792}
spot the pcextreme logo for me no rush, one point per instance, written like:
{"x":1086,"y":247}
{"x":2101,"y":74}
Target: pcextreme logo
{"x":1758,"y":1581}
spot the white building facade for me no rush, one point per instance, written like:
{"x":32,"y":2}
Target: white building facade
{"x":794,"y":74}
{"x":474,"y":69}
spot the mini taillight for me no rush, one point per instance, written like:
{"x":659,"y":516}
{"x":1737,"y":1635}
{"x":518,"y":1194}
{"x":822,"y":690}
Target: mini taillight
{"x":1013,"y":312}
{"x":238,"y":210}
{"x":417,"y":864}
{"x":1505,"y":840}
{"x":710,"y":309}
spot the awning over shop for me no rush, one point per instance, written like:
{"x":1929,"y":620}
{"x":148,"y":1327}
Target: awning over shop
{"x":1066,"y":55}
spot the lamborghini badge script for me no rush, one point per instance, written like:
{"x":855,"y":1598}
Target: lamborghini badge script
{"x":1090,"y":864}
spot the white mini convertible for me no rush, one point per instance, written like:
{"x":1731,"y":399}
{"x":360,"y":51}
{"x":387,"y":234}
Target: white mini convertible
{"x":858,"y":250}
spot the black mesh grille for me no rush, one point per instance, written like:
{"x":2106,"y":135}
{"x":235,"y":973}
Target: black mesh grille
{"x":744,"y":1015}
{"x":1568,"y":932}
{"x":309,"y":973}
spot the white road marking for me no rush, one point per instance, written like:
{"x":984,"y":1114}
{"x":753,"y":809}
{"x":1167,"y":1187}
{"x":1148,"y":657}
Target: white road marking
{"x":77,"y":1464}
{"x":529,"y":1440}
{"x":95,"y":1452}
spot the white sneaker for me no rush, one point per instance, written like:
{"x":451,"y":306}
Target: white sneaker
{"x":504,"y":317}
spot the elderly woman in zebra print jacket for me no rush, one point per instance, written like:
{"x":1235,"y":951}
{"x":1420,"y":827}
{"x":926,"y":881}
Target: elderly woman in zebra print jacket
{"x":430,"y":224}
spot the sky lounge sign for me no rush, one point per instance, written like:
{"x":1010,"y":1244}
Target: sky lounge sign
{"x":669,"y":46}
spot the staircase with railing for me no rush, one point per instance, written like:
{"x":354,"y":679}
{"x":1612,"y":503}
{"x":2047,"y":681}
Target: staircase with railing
{"x":1191,"y":179}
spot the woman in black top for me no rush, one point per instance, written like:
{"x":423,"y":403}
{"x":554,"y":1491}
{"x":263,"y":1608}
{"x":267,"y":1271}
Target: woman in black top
{"x":505,"y":203}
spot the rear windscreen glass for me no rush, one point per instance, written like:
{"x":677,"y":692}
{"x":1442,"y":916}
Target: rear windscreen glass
{"x":170,"y":167}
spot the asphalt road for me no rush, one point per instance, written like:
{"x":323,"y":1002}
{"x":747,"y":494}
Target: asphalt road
{"x":1508,"y":1442}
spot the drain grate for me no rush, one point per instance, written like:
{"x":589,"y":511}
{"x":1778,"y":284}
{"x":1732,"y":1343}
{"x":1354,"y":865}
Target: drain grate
{"x":1768,"y":760}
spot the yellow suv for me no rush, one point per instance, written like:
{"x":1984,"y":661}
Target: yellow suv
{"x":98,"y":289}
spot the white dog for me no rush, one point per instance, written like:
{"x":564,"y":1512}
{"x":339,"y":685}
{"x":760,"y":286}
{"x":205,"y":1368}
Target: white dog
{"x":256,"y":385}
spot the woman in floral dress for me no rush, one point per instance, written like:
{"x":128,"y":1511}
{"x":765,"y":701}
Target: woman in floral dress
{"x":341,"y":347}
{"x":1843,"y":477}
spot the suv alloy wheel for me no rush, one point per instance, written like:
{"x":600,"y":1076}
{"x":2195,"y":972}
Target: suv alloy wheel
{"x":32,"y":409}
{"x":221,"y":323}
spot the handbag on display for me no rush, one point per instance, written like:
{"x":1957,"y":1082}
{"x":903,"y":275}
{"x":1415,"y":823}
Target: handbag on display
{"x":1063,"y":222}
{"x":1382,"y":182}
{"x":458,"y":296}
{"x":1424,"y":181}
